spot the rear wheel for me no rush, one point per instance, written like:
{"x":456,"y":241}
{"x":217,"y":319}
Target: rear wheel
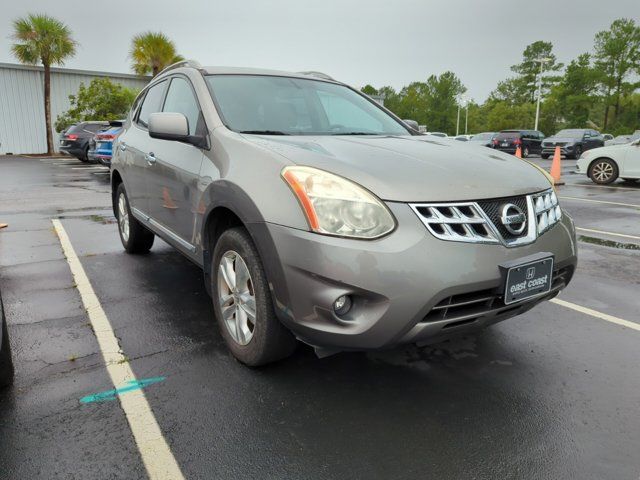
{"x":603,"y":171}
{"x":525,"y":152}
{"x":134,"y":236}
{"x":242,"y":302}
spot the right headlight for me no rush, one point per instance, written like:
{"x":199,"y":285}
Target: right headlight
{"x":336,"y":206}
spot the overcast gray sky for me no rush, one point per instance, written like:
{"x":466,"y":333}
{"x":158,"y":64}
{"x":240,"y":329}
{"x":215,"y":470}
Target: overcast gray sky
{"x":390,"y":42}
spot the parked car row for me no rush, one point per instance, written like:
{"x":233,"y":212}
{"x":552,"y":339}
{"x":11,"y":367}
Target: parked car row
{"x":91,"y":141}
{"x":572,"y":142}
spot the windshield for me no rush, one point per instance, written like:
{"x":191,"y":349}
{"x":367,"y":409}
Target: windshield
{"x":291,"y":106}
{"x":570,"y":133}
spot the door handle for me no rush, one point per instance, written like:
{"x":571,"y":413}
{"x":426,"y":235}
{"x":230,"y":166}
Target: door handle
{"x":150,"y":158}
{"x":123,"y":146}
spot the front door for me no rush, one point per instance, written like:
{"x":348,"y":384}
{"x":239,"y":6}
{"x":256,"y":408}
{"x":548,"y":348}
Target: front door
{"x":631,"y":166}
{"x":135,"y":144}
{"x":173,"y":176}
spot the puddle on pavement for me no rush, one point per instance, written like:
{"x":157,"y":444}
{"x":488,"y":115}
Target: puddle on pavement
{"x":608,"y":243}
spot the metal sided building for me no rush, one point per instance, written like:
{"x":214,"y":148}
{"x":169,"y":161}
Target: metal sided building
{"x":22,"y":124}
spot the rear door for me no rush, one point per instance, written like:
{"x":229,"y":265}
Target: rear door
{"x":136,"y":145}
{"x":173,"y":178}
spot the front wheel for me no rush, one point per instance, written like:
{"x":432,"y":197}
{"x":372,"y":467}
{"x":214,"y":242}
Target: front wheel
{"x":134,"y":236}
{"x":544,"y":156}
{"x":603,"y":171}
{"x":242,"y":302}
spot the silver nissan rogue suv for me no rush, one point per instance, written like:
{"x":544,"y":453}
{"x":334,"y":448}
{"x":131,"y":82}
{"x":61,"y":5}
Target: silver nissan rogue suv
{"x":318,"y":215}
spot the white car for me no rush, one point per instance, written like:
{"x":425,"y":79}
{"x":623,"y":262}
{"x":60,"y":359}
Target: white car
{"x":606,"y":164}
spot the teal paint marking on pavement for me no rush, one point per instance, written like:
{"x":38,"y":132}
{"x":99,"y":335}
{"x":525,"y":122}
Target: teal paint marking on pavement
{"x":128,"y":387}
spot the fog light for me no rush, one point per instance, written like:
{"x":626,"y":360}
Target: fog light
{"x":342,"y":305}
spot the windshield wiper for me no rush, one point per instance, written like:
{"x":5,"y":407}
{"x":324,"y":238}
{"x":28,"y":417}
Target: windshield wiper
{"x":357,"y":133}
{"x":265,"y":132}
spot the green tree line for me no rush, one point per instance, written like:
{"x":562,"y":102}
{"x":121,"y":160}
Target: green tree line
{"x":598,"y":89}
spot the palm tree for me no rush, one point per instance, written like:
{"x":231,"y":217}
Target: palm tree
{"x":151,"y":52}
{"x":41,"y":39}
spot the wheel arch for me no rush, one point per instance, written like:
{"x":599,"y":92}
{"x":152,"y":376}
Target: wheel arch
{"x":116,"y":179}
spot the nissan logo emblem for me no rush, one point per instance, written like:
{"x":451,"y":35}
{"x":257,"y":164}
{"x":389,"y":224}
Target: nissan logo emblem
{"x":513,"y":219}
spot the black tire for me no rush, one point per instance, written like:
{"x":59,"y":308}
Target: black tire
{"x":138,"y":239}
{"x":630,"y":181}
{"x":6,"y":364}
{"x":544,"y":156}
{"x":576,"y":153}
{"x":525,"y":152}
{"x":603,"y":171}
{"x":270,"y":341}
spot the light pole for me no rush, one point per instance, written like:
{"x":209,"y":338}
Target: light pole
{"x":542,"y":62}
{"x":466,"y":116}
{"x":462,"y":99}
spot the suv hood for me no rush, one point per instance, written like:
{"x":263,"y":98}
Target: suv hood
{"x":412,"y":169}
{"x":561,"y":139}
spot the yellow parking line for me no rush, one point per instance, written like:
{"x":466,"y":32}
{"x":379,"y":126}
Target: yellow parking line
{"x":600,"y":201}
{"x":154,"y":450}
{"x":596,"y":314}
{"x":602,"y":232}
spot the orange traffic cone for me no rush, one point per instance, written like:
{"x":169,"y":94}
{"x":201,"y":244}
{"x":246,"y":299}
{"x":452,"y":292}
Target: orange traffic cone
{"x":518,"y":152}
{"x":167,"y":200}
{"x":556,"y":170}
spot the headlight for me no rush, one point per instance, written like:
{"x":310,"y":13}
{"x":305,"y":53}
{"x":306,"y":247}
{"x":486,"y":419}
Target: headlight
{"x":336,"y":206}
{"x":547,"y":209}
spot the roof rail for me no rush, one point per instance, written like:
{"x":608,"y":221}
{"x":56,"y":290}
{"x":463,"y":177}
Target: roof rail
{"x":313,"y":73}
{"x":182,"y":63}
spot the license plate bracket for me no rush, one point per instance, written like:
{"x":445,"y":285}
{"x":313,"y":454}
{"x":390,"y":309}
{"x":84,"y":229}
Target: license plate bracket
{"x":527,"y":277}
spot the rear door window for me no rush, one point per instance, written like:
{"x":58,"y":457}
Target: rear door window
{"x":152,"y":103}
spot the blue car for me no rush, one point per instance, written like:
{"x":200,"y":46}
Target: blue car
{"x":104,"y":142}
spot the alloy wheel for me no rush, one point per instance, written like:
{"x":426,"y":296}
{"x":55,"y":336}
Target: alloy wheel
{"x":236,"y":297}
{"x":123,"y":217}
{"x":602,"y":171}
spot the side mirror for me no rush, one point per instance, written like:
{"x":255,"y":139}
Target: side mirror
{"x":412,"y":124}
{"x":169,"y":126}
{"x":175,"y":127}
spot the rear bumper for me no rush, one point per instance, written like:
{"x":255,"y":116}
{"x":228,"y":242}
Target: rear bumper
{"x":395,"y":282}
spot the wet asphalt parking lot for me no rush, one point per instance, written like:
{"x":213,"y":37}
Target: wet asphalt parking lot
{"x":554,"y":393}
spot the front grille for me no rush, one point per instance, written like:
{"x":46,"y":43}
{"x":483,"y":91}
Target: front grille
{"x":493,"y":210}
{"x":466,"y":308}
{"x":481,"y":222}
{"x":554,"y":144}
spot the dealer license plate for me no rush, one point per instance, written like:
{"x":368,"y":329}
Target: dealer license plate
{"x":528,"y":280}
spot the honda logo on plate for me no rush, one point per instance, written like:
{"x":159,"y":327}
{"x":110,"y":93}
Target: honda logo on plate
{"x":531,"y":272}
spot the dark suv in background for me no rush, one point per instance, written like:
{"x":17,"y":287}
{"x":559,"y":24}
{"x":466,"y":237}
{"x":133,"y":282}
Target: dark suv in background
{"x":572,"y":142}
{"x":75,"y":140}
{"x":529,"y":141}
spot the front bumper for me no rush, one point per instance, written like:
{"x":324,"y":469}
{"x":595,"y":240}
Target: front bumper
{"x":395,"y":282}
{"x":564,"y":150}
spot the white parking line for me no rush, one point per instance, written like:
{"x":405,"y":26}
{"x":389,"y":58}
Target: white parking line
{"x":602,"y":232}
{"x":154,"y":450}
{"x":599,"y":201}
{"x":579,"y":185}
{"x":596,"y":314}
